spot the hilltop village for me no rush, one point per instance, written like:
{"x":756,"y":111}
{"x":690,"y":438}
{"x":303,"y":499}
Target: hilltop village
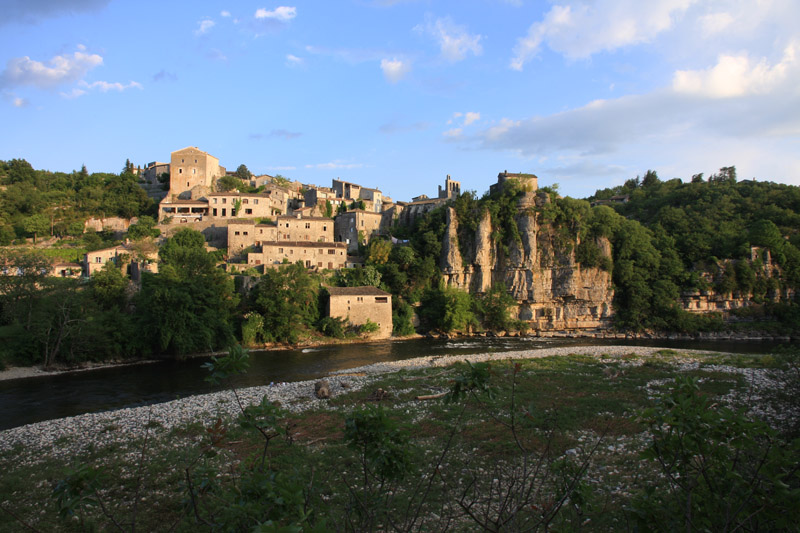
{"x":172,"y":249}
{"x":281,"y":222}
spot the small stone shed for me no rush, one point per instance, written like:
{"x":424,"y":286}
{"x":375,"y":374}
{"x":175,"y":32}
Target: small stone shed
{"x":359,"y":304}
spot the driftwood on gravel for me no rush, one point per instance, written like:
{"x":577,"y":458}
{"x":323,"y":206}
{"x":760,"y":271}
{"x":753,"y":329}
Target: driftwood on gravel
{"x":432,"y":396}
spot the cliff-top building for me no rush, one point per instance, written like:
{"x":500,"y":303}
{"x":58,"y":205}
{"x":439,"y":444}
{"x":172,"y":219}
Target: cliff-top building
{"x":191,"y":167}
{"x":529,"y":182}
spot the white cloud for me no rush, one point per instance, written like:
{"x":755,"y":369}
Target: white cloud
{"x":715,"y":22}
{"x":468,"y":118}
{"x":453,"y":132}
{"x":281,"y":13}
{"x":59,"y":70}
{"x":225,"y":14}
{"x":204,"y":26}
{"x":579,"y":30}
{"x":336,"y":164}
{"x":454,"y":41}
{"x":19,"y":102}
{"x":737,"y":76}
{"x":394,"y":70}
{"x":471,"y":117}
{"x":293,"y":60}
{"x":739,"y":111}
{"x":104,"y":86}
{"x":74,"y":93}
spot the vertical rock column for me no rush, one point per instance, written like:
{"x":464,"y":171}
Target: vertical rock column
{"x":452,"y":265}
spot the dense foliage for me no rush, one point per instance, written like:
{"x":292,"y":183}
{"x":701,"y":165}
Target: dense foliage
{"x":40,"y":202}
{"x":659,"y":240}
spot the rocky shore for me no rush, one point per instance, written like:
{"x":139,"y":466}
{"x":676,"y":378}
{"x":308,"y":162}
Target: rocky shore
{"x":66,"y":437}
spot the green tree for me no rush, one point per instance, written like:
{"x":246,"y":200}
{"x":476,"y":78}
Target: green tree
{"x":188,"y":306}
{"x":243,"y":173}
{"x":378,"y":251}
{"x":37,"y":225}
{"x":109,"y":286}
{"x":287,"y":298}
{"x":230,"y":183}
{"x":447,"y":309}
{"x":145,"y":227}
{"x":495,"y":306}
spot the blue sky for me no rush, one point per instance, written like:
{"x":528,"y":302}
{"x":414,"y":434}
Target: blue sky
{"x":397,"y":94}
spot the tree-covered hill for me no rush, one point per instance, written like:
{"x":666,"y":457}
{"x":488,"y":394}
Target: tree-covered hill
{"x":40,"y":202}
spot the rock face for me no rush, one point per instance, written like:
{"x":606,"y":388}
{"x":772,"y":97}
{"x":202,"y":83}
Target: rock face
{"x":553,"y":293}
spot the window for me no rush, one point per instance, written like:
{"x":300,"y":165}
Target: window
{"x":324,"y":228}
{"x":244,"y":233}
{"x":308,"y":264}
{"x":181,"y":160}
{"x":194,"y":171}
{"x":245,"y":201}
{"x":236,"y":233}
{"x":180,"y":170}
{"x":248,"y":211}
{"x":215,"y":200}
{"x":381,"y":299}
{"x":258,"y":261}
{"x":255,"y":201}
{"x":331,"y":252}
{"x":98,"y":260}
{"x":308,"y":225}
{"x":330,"y":265}
{"x":360,"y":299}
{"x":319,"y":264}
{"x":280,"y":250}
{"x":224,"y":212}
{"x":214,"y":211}
{"x":224,"y":200}
{"x":195,"y":160}
{"x":320,"y":251}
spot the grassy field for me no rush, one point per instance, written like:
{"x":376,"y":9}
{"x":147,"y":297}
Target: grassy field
{"x":574,"y":443}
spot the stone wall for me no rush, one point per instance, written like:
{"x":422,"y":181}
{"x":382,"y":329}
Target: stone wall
{"x":359,"y":304}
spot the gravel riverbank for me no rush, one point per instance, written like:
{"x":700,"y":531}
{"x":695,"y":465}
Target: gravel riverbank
{"x":64,"y":438}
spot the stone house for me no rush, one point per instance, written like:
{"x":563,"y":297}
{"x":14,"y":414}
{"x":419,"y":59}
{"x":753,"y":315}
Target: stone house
{"x":308,"y":229}
{"x":222,"y":205}
{"x":63,"y":269}
{"x":528,"y":181}
{"x":244,"y":233}
{"x":346,"y":190}
{"x":314,"y":255}
{"x":94,"y":261}
{"x":359,"y":304}
{"x":191,"y":167}
{"x":154,"y":170}
{"x":349,"y":224}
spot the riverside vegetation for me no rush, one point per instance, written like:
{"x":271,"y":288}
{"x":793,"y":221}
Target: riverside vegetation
{"x":670,"y":238}
{"x":611,"y":442}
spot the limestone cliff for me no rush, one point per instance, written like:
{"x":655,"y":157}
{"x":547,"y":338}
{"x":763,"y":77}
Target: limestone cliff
{"x":552,"y":291}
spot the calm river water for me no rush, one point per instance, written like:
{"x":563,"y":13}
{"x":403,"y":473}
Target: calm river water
{"x":24,"y":401}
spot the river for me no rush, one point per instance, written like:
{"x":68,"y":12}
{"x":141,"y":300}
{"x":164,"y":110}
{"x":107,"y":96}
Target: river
{"x":24,"y":401}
